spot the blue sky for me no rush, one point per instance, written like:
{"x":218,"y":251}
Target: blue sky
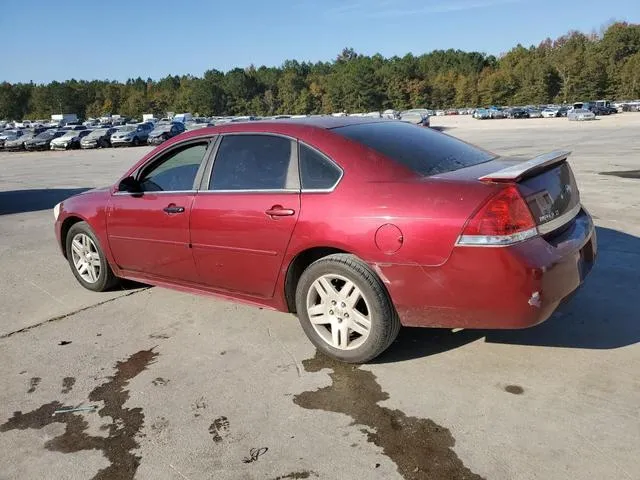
{"x":48,"y":40}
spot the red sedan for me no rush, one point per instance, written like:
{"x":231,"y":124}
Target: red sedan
{"x":358,"y":226}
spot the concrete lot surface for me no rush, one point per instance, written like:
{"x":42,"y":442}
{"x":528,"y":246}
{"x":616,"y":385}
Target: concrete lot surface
{"x":186,"y":387}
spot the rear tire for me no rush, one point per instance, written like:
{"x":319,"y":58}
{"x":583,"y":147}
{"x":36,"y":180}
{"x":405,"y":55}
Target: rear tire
{"x":345,"y":310}
{"x":87,"y":260}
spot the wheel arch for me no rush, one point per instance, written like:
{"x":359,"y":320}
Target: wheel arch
{"x":68,"y":222}
{"x":298,"y":265}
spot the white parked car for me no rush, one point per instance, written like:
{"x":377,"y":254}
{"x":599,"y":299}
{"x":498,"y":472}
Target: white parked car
{"x":550,"y":112}
{"x":69,"y":140}
{"x":579,"y":114}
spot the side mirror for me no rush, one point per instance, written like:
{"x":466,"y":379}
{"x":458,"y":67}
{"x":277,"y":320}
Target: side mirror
{"x":130,"y":185}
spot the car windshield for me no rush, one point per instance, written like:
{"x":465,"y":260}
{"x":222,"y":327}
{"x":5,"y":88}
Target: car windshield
{"x":97,"y":133}
{"x":70,"y":134}
{"x":46,"y":134}
{"x":425,"y":151}
{"x":128,"y":128}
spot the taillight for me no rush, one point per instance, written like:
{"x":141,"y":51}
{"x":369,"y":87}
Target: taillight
{"x":503,"y":220}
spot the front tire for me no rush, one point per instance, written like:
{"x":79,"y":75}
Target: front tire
{"x":135,"y":142}
{"x":345,"y":310}
{"x":87,"y":260}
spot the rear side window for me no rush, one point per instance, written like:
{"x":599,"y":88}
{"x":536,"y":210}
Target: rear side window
{"x":316,"y":171}
{"x":423,"y":150}
{"x":254,"y":162}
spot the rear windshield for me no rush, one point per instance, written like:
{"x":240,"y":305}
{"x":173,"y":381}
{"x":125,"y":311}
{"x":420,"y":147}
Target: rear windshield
{"x":423,"y":150}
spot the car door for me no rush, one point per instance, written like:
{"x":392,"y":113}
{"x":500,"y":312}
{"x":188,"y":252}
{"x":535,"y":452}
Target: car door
{"x":149,"y":231}
{"x":244,"y":215}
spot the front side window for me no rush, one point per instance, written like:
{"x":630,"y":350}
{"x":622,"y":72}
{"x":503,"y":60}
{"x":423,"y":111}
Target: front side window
{"x":316,"y":171}
{"x":253,"y":162}
{"x":176,"y":171}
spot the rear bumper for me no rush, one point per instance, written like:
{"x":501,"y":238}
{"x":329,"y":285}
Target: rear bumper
{"x":507,"y":287}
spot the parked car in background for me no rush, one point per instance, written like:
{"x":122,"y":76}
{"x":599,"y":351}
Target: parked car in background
{"x":534,"y":112}
{"x":43,"y":140}
{"x":550,"y":112}
{"x":18,"y":143}
{"x":70,"y":127}
{"x":496,"y":113}
{"x":410,"y":115}
{"x":9,"y":135}
{"x":164,"y":132}
{"x":517,"y":112}
{"x":100,"y":138}
{"x":350,"y":262}
{"x":131,"y":135}
{"x":481,"y":114}
{"x":579,"y":114}
{"x":70,"y":140}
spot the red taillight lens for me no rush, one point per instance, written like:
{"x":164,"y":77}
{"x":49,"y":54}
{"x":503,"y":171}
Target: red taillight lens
{"x":506,"y":213}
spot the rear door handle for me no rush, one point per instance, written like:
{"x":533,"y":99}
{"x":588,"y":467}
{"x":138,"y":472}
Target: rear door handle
{"x":279,"y":211}
{"x":173,"y":209}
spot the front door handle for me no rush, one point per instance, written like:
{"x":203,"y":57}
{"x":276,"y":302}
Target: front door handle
{"x":280,"y":211}
{"x":173,"y":209}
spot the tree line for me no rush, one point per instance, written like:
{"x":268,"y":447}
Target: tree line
{"x":576,"y":66}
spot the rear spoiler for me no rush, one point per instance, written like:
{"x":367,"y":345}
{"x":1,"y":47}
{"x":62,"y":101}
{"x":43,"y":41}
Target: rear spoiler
{"x":517,"y":172}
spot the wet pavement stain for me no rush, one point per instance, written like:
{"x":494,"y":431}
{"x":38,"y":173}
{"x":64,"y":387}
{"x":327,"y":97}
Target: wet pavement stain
{"x":33,"y":384}
{"x":67,"y":384}
{"x":159,"y":381}
{"x":624,"y":174}
{"x":219,"y":429}
{"x":296,"y":475}
{"x":118,"y":446}
{"x":515,"y":389}
{"x":419,"y":447}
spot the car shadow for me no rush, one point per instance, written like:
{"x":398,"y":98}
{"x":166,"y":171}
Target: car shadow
{"x":603,"y":314}
{"x":21,"y":201}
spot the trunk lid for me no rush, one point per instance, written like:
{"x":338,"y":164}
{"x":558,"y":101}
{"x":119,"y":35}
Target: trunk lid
{"x":552,"y":196}
{"x":546,"y":183}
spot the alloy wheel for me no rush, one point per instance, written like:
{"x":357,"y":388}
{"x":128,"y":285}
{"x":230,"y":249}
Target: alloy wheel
{"x":339,"y":312}
{"x":86,"y":258}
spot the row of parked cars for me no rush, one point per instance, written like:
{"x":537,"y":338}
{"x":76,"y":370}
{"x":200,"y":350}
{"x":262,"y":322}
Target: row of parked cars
{"x":578,"y":111}
{"x":82,"y":136}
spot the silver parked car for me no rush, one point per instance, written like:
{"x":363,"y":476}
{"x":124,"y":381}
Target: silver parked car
{"x":133,"y":135}
{"x":9,"y":135}
{"x":580,"y":114}
{"x":423,"y":112}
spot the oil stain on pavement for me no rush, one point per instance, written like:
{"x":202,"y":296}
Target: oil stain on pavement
{"x":33,"y":384}
{"x":118,"y":446}
{"x":67,"y":384}
{"x":419,"y":447}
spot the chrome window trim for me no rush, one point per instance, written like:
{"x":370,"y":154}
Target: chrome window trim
{"x":160,"y":192}
{"x":330,"y":160}
{"x":284,"y":190}
{"x":560,"y":221}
